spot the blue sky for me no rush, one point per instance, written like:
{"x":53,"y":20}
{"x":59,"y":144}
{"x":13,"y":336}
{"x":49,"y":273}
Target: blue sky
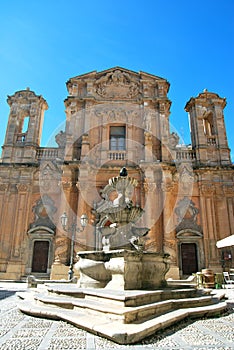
{"x":189,"y":43}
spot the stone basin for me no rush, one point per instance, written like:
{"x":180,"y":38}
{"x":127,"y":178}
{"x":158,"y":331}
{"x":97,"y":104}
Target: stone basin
{"x":122,"y":269}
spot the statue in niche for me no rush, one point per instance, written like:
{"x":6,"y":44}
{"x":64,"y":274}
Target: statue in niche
{"x":147,"y":120}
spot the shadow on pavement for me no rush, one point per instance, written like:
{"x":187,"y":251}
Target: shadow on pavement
{"x":6,"y":293}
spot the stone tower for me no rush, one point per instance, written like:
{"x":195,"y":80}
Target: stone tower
{"x":208,"y":132}
{"x":24,"y":127}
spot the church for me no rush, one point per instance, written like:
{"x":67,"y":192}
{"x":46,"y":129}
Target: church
{"x":114,"y":118}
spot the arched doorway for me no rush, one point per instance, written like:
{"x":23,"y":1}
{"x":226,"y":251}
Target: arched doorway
{"x":40,"y":256}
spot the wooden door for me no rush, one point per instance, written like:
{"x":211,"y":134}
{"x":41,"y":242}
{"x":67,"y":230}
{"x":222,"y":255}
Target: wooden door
{"x":189,"y":258}
{"x":40,"y":256}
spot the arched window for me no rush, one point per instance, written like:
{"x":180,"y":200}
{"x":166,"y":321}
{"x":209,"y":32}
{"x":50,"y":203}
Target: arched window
{"x":25,"y":125}
{"x":208,"y":124}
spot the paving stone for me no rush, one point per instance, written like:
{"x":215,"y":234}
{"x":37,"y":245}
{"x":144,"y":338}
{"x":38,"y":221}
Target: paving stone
{"x":19,"y":331}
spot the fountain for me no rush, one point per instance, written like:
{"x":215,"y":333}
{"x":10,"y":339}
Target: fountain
{"x":122,"y":293}
{"x":123,"y":262}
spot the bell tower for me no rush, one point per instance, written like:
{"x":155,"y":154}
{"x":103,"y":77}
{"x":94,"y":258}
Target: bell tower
{"x":24,"y":127}
{"x":208,"y":132}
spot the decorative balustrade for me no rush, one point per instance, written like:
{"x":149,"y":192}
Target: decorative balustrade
{"x":21,"y":137}
{"x":47,"y":153}
{"x":117,"y":155}
{"x":211,"y":141}
{"x":186,"y":154}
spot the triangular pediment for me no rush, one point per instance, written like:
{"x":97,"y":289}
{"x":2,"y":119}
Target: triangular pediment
{"x":96,"y":75}
{"x":117,"y":83}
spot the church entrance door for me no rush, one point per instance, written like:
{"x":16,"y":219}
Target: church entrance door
{"x":189,"y":258}
{"x":40,"y":256}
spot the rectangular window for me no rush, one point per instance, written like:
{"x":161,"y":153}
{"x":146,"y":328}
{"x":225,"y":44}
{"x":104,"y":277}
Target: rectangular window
{"x":117,"y":138}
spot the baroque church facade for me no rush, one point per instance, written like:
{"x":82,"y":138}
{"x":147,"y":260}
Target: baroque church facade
{"x":115,"y":118}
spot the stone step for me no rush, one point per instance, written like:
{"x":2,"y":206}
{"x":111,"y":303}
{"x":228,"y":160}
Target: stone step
{"x":124,"y":298}
{"x":115,"y":330}
{"x":106,"y":309}
{"x":62,"y":290}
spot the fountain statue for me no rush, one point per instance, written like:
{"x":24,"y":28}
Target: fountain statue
{"x":122,"y":262}
{"x":122,"y":214}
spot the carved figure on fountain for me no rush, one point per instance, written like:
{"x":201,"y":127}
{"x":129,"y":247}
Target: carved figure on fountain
{"x":122,"y":214}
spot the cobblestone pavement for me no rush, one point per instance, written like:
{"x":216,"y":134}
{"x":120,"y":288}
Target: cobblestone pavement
{"x":19,"y":331}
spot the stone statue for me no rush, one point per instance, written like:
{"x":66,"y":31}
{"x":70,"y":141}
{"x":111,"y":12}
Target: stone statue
{"x":122,"y":213}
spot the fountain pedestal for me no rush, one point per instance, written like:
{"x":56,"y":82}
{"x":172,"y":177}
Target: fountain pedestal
{"x":122,"y":269}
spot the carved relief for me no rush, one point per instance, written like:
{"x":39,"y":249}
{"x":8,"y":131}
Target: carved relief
{"x":116,"y":114}
{"x":187,"y":215}
{"x":66,"y":183}
{"x":149,"y":186}
{"x":228,"y":189}
{"x":186,"y":176}
{"x":44,"y":210}
{"x":49,"y":178}
{"x":167,"y":187}
{"x":117,"y":84}
{"x":3,"y":187}
{"x":207,"y":189}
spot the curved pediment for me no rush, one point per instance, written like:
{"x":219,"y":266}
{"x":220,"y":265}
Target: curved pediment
{"x":189,"y":233}
{"x":40,"y":230}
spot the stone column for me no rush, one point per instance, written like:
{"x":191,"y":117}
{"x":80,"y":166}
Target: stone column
{"x":153,"y":207}
{"x":4,"y":224}
{"x":68,"y":204}
{"x":228,"y":191}
{"x":169,"y":236}
{"x":209,"y":226}
{"x":15,"y":232}
{"x":87,"y":192}
{"x":21,"y":212}
{"x":148,"y":147}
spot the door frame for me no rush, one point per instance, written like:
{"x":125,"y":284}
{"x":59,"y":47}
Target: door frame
{"x":183,"y":249}
{"x":33,"y":254}
{"x":191,"y":236}
{"x":40,"y":233}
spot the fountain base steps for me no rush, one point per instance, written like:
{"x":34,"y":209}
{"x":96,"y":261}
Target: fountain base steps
{"x":124,"y":317}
